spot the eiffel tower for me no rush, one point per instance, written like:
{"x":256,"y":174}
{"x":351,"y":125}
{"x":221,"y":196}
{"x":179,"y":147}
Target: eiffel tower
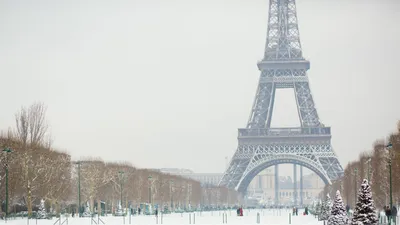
{"x":261,"y":146}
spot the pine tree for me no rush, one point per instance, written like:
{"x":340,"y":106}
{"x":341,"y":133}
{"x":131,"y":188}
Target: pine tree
{"x":326,"y":208}
{"x":338,"y":214}
{"x":41,"y":214}
{"x":318,"y":208}
{"x":365,"y":211}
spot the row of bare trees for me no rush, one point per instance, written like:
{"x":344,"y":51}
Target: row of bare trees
{"x":373,"y":165}
{"x":106,"y":181}
{"x":37,"y":171}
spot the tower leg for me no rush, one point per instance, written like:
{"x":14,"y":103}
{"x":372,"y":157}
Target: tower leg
{"x":276,"y":185}
{"x":301,"y":186}
{"x":295,"y":184}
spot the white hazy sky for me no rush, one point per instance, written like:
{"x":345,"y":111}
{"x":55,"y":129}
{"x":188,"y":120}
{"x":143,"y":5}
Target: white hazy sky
{"x":166,"y":83}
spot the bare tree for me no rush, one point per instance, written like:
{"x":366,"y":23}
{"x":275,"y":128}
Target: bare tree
{"x":38,"y":171}
{"x":37,"y":123}
{"x":31,"y":128}
{"x":139,"y":187}
{"x":57,"y":180}
{"x":31,"y":124}
{"x":93,"y":176}
{"x":162,"y":184}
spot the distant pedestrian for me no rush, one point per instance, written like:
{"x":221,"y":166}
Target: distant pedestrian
{"x":388,"y":212}
{"x":394,"y":214}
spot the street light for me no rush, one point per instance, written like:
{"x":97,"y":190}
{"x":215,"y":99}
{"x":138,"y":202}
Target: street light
{"x":79,"y":188}
{"x":389,"y":147}
{"x":7,"y":150}
{"x":121,"y":176}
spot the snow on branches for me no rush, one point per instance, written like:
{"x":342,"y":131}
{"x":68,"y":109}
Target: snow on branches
{"x":338,"y":214}
{"x":365,"y":209}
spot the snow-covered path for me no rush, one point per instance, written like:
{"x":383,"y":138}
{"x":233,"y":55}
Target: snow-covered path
{"x":272,"y":217}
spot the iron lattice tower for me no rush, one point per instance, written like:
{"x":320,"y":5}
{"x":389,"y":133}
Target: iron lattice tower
{"x":261,"y":146}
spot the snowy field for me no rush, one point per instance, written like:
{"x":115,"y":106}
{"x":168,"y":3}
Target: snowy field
{"x":267,"y":216}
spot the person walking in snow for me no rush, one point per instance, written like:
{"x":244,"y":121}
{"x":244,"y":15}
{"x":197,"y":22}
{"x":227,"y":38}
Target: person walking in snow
{"x":394,"y":214}
{"x":388,"y":212}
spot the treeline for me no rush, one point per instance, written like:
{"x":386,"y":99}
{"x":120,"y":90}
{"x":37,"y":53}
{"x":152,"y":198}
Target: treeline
{"x":373,"y":164}
{"x":38,"y":171}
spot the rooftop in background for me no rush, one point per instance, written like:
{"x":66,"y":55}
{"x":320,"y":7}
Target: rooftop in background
{"x":203,"y":178}
{"x":176,"y":171}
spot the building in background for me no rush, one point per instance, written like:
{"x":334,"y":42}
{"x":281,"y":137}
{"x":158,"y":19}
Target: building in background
{"x":262,"y":187}
{"x":204,"y":178}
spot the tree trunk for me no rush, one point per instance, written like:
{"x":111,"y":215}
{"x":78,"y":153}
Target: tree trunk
{"x":91,"y":204}
{"x":112,"y":207}
{"x":51,"y":205}
{"x":58,"y":208}
{"x":99,"y":207}
{"x":105,"y":208}
{"x":126,"y":206}
{"x":29,"y":200}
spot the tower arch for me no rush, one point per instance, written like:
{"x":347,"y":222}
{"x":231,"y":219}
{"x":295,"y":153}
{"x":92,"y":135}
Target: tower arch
{"x":282,"y":159}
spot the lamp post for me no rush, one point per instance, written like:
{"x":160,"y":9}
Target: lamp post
{"x":121,"y":176}
{"x":389,"y":147}
{"x":7,"y":150}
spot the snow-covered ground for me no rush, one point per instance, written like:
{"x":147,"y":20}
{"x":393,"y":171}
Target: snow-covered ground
{"x":267,"y":216}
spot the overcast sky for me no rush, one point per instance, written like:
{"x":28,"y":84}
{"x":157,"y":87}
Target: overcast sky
{"x":166,"y":83}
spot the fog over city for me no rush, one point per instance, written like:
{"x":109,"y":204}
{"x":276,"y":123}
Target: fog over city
{"x":166,"y":84}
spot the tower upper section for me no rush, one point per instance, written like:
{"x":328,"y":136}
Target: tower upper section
{"x":283,"y":37}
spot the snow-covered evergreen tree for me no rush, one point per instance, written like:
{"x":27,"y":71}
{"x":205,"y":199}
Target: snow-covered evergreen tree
{"x":41,"y":214}
{"x":326,"y":208}
{"x":365,"y":211}
{"x":338,"y":214}
{"x":318,"y":208}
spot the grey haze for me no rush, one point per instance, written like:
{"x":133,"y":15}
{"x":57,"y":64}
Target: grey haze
{"x":166,"y":83}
